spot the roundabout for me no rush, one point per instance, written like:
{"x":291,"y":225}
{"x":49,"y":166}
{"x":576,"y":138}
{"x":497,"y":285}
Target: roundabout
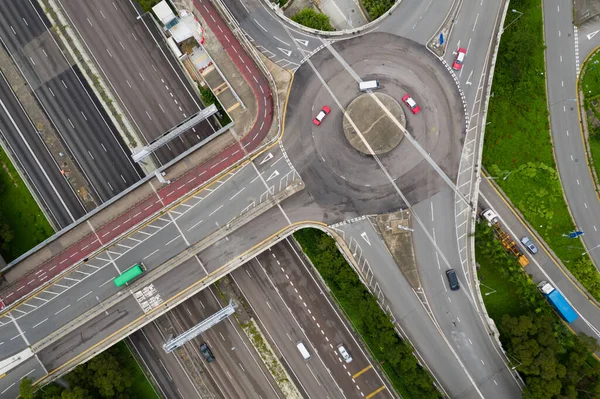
{"x":333,"y":161}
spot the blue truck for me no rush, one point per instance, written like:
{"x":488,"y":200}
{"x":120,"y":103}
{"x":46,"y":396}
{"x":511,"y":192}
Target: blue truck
{"x":558,"y":302}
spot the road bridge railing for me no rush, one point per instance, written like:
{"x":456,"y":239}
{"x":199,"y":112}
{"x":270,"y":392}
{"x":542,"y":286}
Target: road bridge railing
{"x":236,"y":261}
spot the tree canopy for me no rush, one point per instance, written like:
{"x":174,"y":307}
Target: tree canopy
{"x":313,"y":19}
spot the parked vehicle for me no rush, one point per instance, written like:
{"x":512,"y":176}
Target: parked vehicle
{"x":558,"y":302}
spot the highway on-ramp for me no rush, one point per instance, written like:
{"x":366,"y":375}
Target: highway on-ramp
{"x":316,"y":154}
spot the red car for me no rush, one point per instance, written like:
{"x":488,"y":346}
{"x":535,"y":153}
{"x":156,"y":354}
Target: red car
{"x":321,"y":115}
{"x":460,"y":58}
{"x":410,"y":103}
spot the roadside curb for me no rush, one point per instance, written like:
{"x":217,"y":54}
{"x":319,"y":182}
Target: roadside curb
{"x":566,"y":272}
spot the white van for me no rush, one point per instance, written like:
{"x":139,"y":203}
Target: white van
{"x":368,"y":85}
{"x":303,"y":351}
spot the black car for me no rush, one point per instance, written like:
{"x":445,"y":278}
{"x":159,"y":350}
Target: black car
{"x":452,"y":279}
{"x":208,"y":355}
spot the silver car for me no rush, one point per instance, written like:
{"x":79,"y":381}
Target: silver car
{"x":529,"y":245}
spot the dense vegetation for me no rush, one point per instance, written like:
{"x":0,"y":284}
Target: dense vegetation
{"x":22,"y":223}
{"x":208,"y":98}
{"x":313,"y":19}
{"x":375,"y":327}
{"x":377,"y":8}
{"x":518,"y":147}
{"x":589,"y":84}
{"x":553,"y":362}
{"x":147,"y":4}
{"x":111,"y":374}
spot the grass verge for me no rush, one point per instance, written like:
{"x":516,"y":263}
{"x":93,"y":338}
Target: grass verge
{"x":393,"y":354}
{"x":20,"y":213}
{"x":553,"y":362}
{"x":208,"y":98}
{"x":518,"y":146}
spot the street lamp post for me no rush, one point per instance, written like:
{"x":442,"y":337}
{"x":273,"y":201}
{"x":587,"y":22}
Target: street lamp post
{"x":590,"y":250}
{"x":488,"y":287}
{"x":514,"y":11}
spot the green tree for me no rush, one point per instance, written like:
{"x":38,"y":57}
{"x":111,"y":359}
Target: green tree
{"x":75,"y":393}
{"x":6,"y":234}
{"x":313,"y":19}
{"x":147,"y":4}
{"x":26,"y":390}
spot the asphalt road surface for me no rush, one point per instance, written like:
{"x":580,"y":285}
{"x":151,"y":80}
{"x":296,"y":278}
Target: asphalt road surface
{"x":339,"y":177}
{"x":167,"y":370}
{"x":85,"y":287}
{"x":542,"y":265}
{"x":50,"y":187}
{"x":135,"y":60}
{"x":237,"y":371}
{"x":561,"y":77}
{"x":66,"y":98}
{"x":339,"y":202}
{"x":443,"y":325}
{"x":291,"y":307}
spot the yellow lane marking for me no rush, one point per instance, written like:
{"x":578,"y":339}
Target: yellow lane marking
{"x":3,"y":375}
{"x":375,"y":392}
{"x":558,"y":265}
{"x":200,"y":281}
{"x":362,"y":371}
{"x":309,"y":223}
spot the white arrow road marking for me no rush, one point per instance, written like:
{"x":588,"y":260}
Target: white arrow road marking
{"x":284,"y":51}
{"x":366,"y":238}
{"x":468,"y":82}
{"x":269,"y":156}
{"x":273,"y":175}
{"x":301,"y":41}
{"x":589,"y":35}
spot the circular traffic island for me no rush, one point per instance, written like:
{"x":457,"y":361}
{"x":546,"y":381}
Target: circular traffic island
{"x":374,"y":124}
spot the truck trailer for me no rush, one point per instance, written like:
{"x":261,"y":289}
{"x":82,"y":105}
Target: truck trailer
{"x":558,"y":302}
{"x":507,"y":242}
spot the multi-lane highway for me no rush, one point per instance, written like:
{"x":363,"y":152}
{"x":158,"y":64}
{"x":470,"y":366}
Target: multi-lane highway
{"x":69,"y":102}
{"x":340,"y":185}
{"x":291,"y":307}
{"x":55,"y":194}
{"x":237,"y":372}
{"x":135,"y":61}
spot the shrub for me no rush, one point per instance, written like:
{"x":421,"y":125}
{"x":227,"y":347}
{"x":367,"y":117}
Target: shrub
{"x":313,"y":19}
{"x":374,"y":325}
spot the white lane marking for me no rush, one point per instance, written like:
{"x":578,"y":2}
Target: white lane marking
{"x":150,"y":254}
{"x":43,"y":321}
{"x":84,"y":296}
{"x":179,"y":236}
